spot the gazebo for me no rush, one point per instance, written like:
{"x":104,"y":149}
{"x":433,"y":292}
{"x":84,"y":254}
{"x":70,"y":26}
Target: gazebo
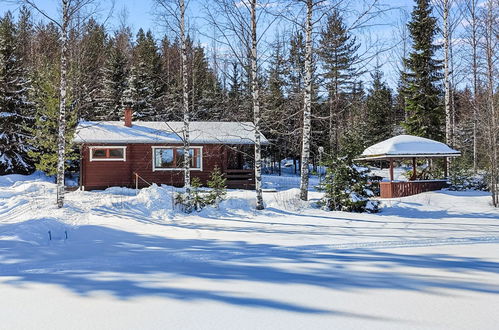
{"x":408,"y":147}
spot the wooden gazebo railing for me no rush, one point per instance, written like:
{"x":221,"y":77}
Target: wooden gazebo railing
{"x":395,"y":189}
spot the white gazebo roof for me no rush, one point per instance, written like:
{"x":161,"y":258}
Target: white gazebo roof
{"x":408,"y":146}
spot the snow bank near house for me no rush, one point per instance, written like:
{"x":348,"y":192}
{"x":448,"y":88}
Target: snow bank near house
{"x":16,"y":179}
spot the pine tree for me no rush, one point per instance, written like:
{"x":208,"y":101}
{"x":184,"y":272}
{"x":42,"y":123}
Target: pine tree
{"x":379,"y":111}
{"x":423,"y":95}
{"x":338,"y":54}
{"x":15,"y":107}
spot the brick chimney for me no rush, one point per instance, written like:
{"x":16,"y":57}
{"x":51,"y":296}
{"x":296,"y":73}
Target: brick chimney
{"x":128,"y":117}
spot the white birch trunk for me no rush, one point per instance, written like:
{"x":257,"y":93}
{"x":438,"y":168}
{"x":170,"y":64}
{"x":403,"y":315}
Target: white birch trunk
{"x":474,"y":49}
{"x":256,"y":109}
{"x":185,"y":105}
{"x":307,"y":105}
{"x":492,"y":121}
{"x":448,"y":115}
{"x":61,"y":141}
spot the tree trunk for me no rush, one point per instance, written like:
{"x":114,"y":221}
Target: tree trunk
{"x":474,"y":49}
{"x":448,"y":116}
{"x":61,"y":140}
{"x":255,"y":91}
{"x":185,"y":105}
{"x":307,"y":106}
{"x":492,"y":121}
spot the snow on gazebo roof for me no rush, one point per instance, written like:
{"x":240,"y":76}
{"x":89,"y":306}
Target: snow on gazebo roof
{"x":408,"y":146}
{"x":166,"y":132}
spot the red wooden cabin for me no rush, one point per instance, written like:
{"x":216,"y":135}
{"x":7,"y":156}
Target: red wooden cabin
{"x":137,"y":154}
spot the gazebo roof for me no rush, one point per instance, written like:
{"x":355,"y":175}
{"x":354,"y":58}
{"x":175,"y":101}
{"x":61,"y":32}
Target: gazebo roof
{"x":408,"y":146}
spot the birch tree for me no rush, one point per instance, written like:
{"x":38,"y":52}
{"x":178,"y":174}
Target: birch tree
{"x":491,"y":43}
{"x":236,"y":24}
{"x":69,"y":9}
{"x":185,"y":103}
{"x":471,"y":18}
{"x":307,"y":103}
{"x":255,"y":92}
{"x":175,"y":10}
{"x":447,"y":87}
{"x":345,"y":49}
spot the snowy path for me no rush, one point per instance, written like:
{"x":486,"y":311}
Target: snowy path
{"x":427,"y":261}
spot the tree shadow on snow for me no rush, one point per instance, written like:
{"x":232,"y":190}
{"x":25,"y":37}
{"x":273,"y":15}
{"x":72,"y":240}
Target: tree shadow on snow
{"x":129,"y":265}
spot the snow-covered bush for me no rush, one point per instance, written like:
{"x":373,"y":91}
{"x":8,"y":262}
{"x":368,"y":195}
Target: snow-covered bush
{"x":462,"y":178}
{"x":348,"y":188}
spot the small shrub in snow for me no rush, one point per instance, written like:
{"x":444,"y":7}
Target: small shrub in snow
{"x":196,"y":202}
{"x":347,"y":188}
{"x":199,"y":198}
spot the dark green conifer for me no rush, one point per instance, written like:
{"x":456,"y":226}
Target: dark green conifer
{"x":423,"y":94}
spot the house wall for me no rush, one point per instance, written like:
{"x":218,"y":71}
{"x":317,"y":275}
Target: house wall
{"x":104,"y":174}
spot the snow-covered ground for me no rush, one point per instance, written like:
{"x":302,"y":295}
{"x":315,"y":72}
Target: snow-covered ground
{"x":132,"y":262}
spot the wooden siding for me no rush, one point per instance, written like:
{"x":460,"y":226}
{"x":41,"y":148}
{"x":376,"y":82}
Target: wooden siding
{"x":104,"y":174}
{"x":409,"y":188}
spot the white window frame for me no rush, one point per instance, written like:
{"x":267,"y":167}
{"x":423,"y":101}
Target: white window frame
{"x":154,"y":169}
{"x":92,"y":159}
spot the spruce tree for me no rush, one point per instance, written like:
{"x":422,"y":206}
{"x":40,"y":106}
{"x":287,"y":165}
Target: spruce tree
{"x":338,"y":53}
{"x":15,"y":107}
{"x":115,"y":74}
{"x":218,"y":185}
{"x":87,"y":71}
{"x":353,"y":138}
{"x":146,"y":74}
{"x":276,"y":118}
{"x":171,"y":78}
{"x":44,"y":132}
{"x":423,"y":94}
{"x":379,"y":110}
{"x":203,"y":85}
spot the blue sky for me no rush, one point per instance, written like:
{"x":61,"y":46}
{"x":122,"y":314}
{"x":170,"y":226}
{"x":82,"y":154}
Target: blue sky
{"x":141,"y":12}
{"x":141,"y":15}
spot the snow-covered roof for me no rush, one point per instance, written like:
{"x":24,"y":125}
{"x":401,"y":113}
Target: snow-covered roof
{"x":166,"y":132}
{"x":402,"y":146}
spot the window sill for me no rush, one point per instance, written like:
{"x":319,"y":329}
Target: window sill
{"x":175,"y":169}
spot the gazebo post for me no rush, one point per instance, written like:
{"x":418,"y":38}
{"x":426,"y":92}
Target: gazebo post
{"x":391,"y":169}
{"x":413,"y":176}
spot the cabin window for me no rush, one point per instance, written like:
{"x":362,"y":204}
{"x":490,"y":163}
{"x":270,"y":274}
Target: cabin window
{"x":107,"y":153}
{"x":171,"y":158}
